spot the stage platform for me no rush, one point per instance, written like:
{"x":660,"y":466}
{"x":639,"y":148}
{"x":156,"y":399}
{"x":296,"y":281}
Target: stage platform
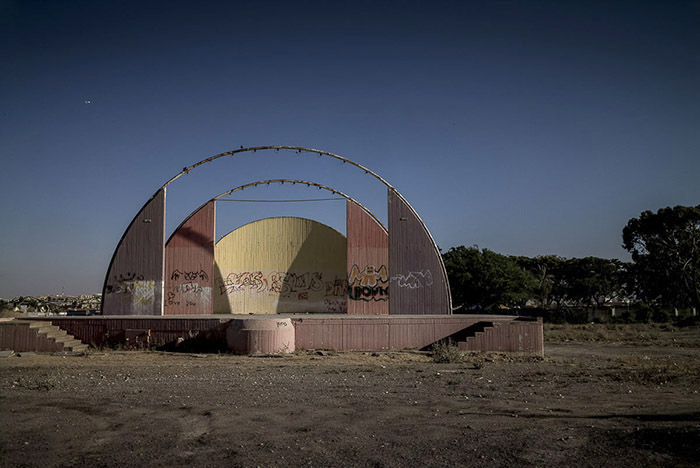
{"x":341,"y":332}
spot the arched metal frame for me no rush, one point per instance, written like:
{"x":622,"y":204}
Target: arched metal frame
{"x":301,"y":182}
{"x":298,"y":150}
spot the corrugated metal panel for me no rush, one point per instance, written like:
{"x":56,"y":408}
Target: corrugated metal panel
{"x":134,"y":283}
{"x":189,"y":265}
{"x":281,"y":265}
{"x":315,"y":333}
{"x":103,"y":331}
{"x":368,"y":263}
{"x":418,"y":283}
{"x":365,"y":334}
{"x":341,"y":333}
{"x":33,"y":336}
{"x":522,"y":337}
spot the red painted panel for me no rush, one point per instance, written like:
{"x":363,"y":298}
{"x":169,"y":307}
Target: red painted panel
{"x":367,"y":334}
{"x":344,"y":332}
{"x":189,"y":265}
{"x":134,"y":282}
{"x":418,"y":281}
{"x":319,"y":333}
{"x":368,"y":262}
{"x":411,"y":333}
{"x":446,"y":327}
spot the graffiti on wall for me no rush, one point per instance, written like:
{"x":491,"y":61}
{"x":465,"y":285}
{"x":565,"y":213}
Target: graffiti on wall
{"x":286,"y":284}
{"x":189,"y":292}
{"x":368,"y":284}
{"x":142,"y":291}
{"x":414,"y":279}
{"x":189,"y":275}
{"x":336,"y":305}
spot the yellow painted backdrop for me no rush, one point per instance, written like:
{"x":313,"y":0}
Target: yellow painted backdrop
{"x":281,"y":265}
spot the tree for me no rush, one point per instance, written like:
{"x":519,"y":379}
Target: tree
{"x":665,"y":247}
{"x":594,"y":280}
{"x":546,"y":272}
{"x":482,"y":278}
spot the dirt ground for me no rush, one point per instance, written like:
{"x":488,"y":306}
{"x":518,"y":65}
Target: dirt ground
{"x":602,"y":396}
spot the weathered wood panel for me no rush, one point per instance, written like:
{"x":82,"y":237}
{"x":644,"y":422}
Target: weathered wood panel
{"x":134,"y":283}
{"x":189,"y":265}
{"x":368,"y":262}
{"x":281,"y":265}
{"x":418,"y":283}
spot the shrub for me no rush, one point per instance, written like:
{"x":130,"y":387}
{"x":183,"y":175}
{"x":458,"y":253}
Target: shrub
{"x":445,"y":352}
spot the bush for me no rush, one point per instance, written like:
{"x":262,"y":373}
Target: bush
{"x":445,"y":352}
{"x":660,"y":315}
{"x":644,"y":313}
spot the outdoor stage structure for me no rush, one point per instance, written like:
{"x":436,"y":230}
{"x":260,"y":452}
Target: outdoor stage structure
{"x":278,"y":265}
{"x":286,"y":283}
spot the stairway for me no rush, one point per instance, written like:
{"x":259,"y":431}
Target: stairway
{"x":513,"y":336}
{"x":479,"y":337}
{"x":37,"y":335}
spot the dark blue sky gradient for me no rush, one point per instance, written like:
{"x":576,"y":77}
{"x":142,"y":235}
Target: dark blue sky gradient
{"x":528,"y":128}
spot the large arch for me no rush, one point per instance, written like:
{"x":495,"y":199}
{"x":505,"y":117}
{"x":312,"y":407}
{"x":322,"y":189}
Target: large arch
{"x":406,"y":276}
{"x":190,"y":258}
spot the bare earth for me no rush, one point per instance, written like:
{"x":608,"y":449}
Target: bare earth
{"x":601,"y":397}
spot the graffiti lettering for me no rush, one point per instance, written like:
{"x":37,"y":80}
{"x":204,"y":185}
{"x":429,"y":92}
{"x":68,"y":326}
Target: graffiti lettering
{"x":190,"y":292}
{"x":241,"y":281}
{"x":286,"y":284}
{"x":336,"y":287}
{"x":368,"y":284}
{"x":190,"y":275}
{"x":414,"y":279}
{"x":126,"y":284}
{"x":368,"y":293}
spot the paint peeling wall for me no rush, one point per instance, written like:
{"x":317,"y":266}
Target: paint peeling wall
{"x":134,"y":283}
{"x":189,"y":265}
{"x":281,"y":265}
{"x":418,"y":284}
{"x":368,"y":263}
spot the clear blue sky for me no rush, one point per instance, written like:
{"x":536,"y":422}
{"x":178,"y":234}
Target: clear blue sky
{"x":529,"y":128}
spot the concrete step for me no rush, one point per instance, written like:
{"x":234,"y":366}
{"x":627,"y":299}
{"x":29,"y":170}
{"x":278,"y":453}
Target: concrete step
{"x":39,"y":335}
{"x":53,"y":332}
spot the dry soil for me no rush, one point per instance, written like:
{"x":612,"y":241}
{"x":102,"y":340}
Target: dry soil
{"x":600,"y":397}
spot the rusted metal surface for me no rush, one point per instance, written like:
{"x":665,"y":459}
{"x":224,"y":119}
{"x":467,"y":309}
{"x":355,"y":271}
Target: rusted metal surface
{"x":189,"y":265}
{"x":418,"y":282}
{"x":368,"y":263}
{"x":134,"y":281}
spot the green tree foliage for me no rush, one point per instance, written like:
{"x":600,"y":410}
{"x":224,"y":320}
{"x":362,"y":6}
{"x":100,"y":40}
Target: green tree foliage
{"x":594,"y":280}
{"x":576,"y":281}
{"x":482,"y":278}
{"x":546,"y":271}
{"x":665,"y":247}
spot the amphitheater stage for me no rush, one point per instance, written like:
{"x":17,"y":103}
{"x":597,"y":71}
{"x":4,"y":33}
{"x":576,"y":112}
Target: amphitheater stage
{"x":499,"y":333}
